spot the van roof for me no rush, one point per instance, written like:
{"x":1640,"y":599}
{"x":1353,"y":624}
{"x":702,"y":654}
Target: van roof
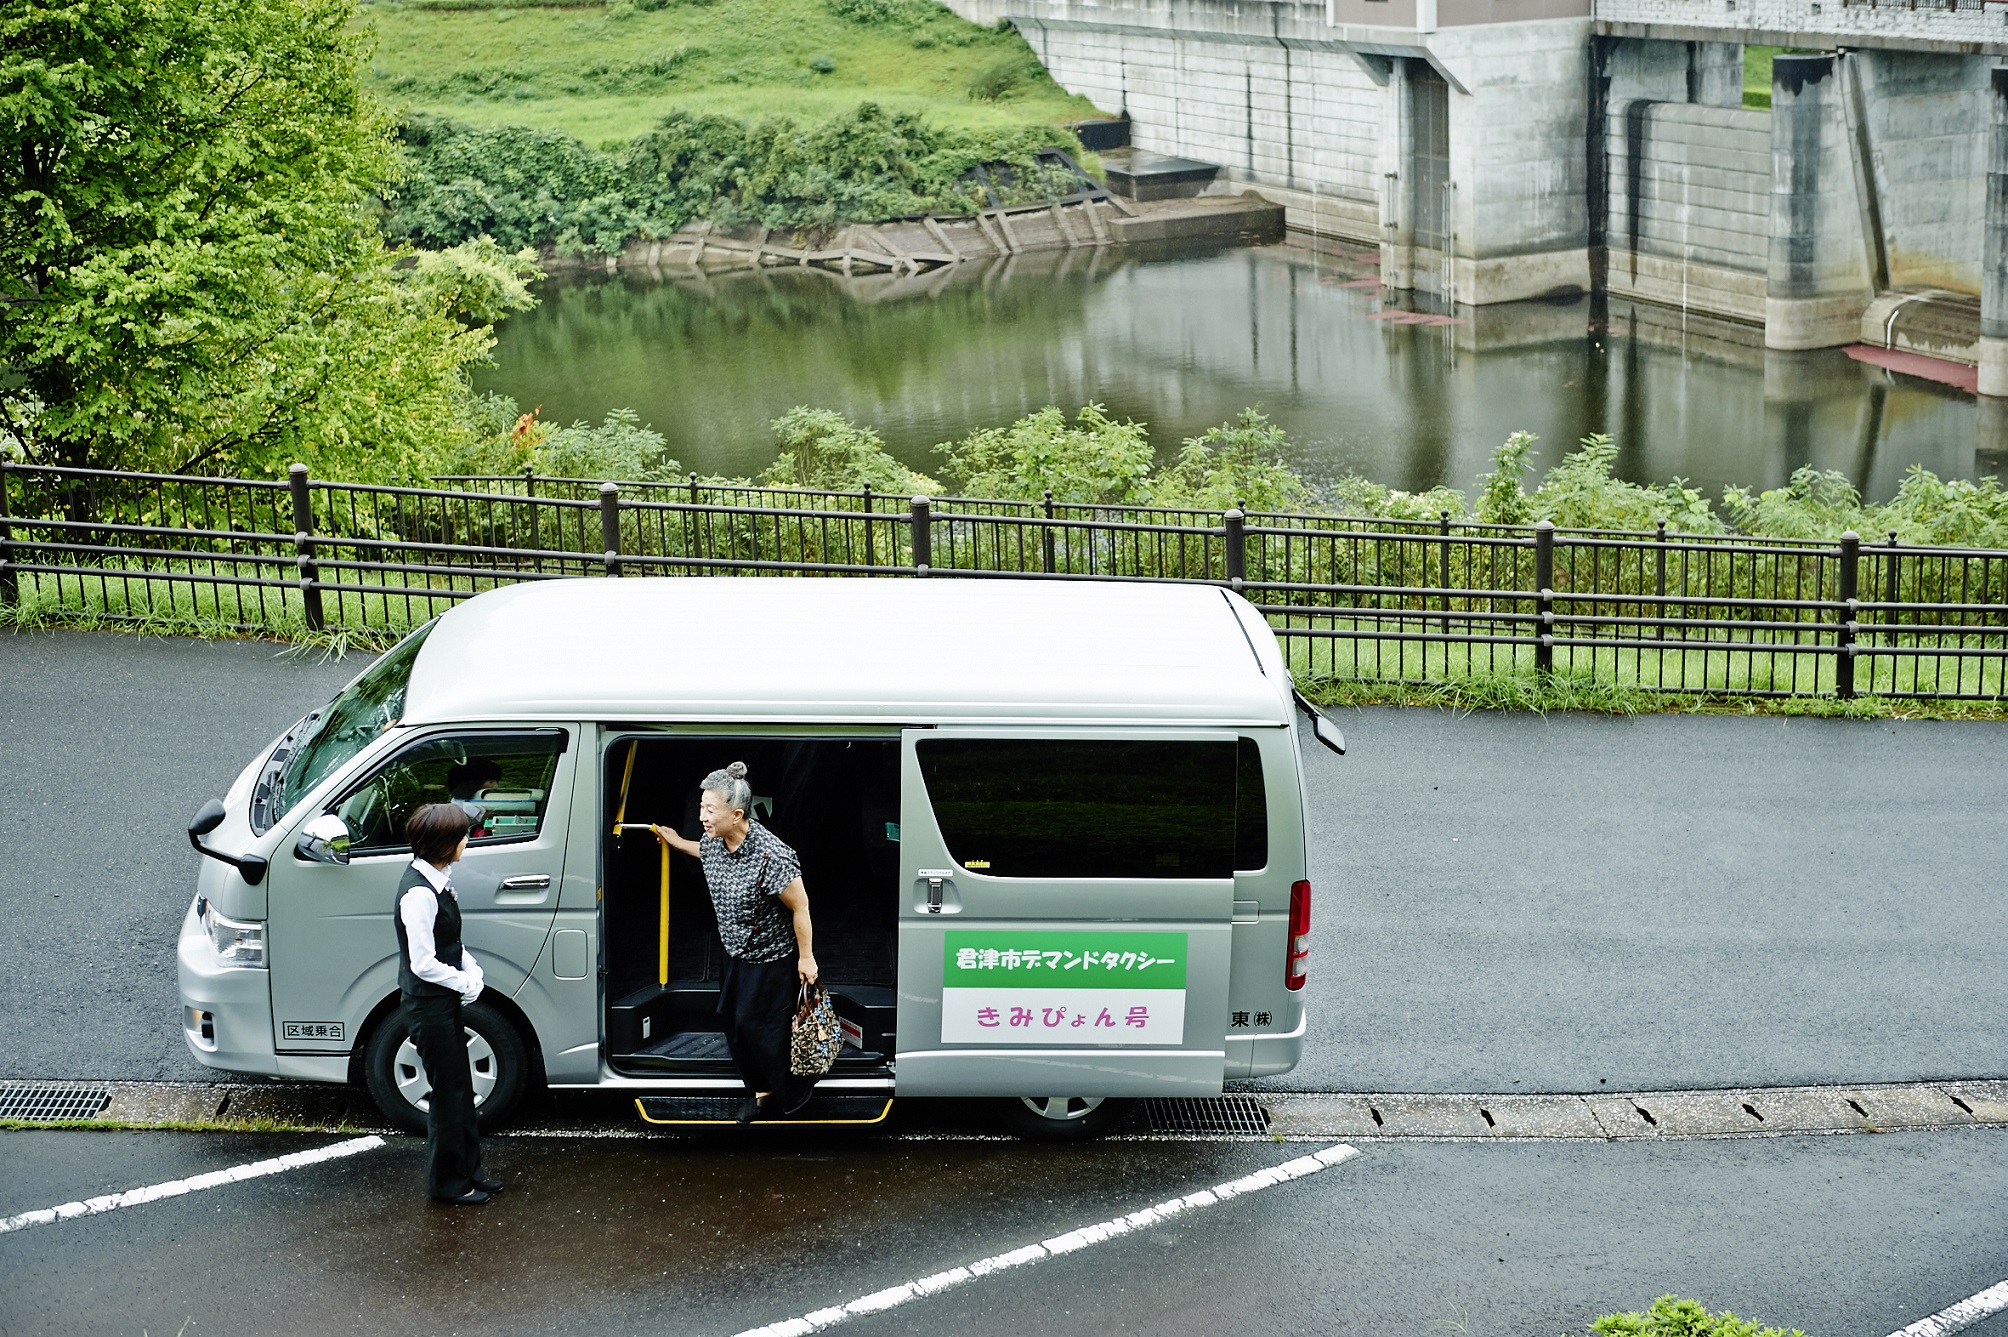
{"x":794,"y":650}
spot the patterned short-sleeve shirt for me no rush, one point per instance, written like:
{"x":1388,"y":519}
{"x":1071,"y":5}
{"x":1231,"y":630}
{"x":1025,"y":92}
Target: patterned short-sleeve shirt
{"x":746,"y":886}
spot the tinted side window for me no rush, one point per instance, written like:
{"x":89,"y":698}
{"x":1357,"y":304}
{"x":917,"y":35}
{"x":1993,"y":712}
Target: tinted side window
{"x":1084,"y":808}
{"x":1251,"y":809}
{"x":502,"y":780}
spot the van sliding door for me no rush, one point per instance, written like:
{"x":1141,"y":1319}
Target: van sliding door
{"x":1065,"y":911}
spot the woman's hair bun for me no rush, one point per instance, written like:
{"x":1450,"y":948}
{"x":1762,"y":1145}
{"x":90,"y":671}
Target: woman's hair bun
{"x":737,"y":770}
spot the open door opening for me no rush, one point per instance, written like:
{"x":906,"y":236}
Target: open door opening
{"x":836,"y":801}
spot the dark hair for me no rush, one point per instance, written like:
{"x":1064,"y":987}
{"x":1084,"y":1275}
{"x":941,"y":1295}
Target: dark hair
{"x":435,"y":830}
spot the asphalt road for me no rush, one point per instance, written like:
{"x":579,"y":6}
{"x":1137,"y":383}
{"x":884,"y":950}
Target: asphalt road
{"x":1840,"y":1236}
{"x":1504,"y":902}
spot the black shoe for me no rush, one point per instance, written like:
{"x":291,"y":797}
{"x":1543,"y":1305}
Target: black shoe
{"x":800,"y":1103}
{"x":473,"y":1197}
{"x":751,"y":1110}
{"x":487,"y":1183}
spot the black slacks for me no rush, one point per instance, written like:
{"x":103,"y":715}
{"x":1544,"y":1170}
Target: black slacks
{"x":756,"y":1004}
{"x":452,"y":1138}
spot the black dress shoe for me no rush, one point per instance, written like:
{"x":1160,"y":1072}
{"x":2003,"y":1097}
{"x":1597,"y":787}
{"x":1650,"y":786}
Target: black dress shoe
{"x":488,"y":1184}
{"x":473,"y":1197}
{"x":799,"y":1104}
{"x":752,"y":1109}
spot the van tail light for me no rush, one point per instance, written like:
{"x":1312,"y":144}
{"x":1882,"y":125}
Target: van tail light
{"x":1298,"y":966}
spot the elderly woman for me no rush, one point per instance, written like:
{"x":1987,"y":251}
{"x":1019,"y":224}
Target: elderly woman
{"x":763,"y":919}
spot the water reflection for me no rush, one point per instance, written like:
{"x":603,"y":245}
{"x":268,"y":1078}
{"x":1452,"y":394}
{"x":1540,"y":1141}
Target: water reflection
{"x":1186,"y":339}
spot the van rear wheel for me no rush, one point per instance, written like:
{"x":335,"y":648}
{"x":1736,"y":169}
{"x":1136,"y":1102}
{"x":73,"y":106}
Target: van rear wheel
{"x":1062,"y":1118}
{"x":496,"y":1056}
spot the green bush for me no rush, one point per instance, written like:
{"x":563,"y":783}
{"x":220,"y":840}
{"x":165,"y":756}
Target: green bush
{"x":539,"y":188}
{"x":884,"y":13}
{"x":999,"y":78}
{"x":823,"y":449}
{"x":1669,"y":1317}
{"x":1093,"y":459}
{"x":1239,"y":463}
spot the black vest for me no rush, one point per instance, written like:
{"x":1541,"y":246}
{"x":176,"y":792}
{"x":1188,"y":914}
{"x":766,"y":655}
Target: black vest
{"x":445,"y":938}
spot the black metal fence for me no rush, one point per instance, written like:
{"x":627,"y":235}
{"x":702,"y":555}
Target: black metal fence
{"x":1358,"y":599}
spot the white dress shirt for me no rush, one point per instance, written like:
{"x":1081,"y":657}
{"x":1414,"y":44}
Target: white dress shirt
{"x":418,"y":908}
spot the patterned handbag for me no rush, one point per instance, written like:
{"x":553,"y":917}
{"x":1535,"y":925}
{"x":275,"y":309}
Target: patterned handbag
{"x":818,"y":1036}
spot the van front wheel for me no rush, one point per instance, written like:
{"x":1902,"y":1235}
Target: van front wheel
{"x":1062,"y":1118}
{"x":496,"y":1056}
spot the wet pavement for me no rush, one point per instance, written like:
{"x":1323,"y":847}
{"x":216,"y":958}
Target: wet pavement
{"x":1842,"y":1236}
{"x":1504,"y":902}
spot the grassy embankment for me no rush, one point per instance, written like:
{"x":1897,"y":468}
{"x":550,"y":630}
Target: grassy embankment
{"x":608,"y":72}
{"x":1757,"y":75}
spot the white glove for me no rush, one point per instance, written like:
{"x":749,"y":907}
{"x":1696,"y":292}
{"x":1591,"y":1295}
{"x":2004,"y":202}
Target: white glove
{"x":476,"y":981}
{"x":472,"y":991}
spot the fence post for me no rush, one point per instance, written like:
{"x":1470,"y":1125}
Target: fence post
{"x":1893,"y":591}
{"x":610,"y":526}
{"x":1659,"y":587}
{"x":1234,"y":525}
{"x":1844,"y":638}
{"x":1544,"y":595}
{"x":1046,"y":532}
{"x":870,"y":558}
{"x":923,"y":535}
{"x":1443,"y":572}
{"x":10,"y":580}
{"x":303,"y":546}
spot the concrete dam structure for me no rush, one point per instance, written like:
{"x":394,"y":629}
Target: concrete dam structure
{"x":1502,"y":150}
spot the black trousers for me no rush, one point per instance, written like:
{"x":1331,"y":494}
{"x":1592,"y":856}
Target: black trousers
{"x":452,"y":1138}
{"x":756,"y":1003}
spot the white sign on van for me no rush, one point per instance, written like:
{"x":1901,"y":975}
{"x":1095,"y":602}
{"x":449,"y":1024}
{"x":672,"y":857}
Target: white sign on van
{"x":1063,"y":988}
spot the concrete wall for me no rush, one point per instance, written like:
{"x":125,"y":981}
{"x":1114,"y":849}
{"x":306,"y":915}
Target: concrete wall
{"x":1924,"y":115}
{"x":1689,"y":194}
{"x":1812,"y":23}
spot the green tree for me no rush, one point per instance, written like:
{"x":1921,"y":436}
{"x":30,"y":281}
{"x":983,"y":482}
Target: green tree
{"x":821,"y":448}
{"x":1238,"y":463}
{"x":191,"y":273}
{"x":1093,"y":459}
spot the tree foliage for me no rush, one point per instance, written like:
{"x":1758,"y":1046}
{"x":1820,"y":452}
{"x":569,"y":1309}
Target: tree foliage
{"x":541,"y":188}
{"x":189,"y":267}
{"x":1094,"y":458}
{"x":823,"y":449}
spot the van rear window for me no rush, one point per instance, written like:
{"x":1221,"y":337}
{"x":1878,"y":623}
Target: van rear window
{"x":1023,"y":807}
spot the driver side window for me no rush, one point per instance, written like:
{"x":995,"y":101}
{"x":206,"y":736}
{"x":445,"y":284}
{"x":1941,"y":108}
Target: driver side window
{"x":503,"y":781}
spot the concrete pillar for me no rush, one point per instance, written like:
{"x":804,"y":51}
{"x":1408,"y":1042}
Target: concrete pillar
{"x":1818,"y":283}
{"x":1994,"y":226}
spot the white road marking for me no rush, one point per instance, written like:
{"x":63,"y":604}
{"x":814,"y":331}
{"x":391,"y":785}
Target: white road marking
{"x":1960,"y":1317}
{"x":894,"y":1296}
{"x":174,"y":1188}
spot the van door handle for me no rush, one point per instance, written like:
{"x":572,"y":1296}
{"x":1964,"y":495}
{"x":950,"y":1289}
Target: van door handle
{"x":527,"y":882}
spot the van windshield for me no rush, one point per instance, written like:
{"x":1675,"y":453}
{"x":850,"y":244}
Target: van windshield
{"x":373,"y":703}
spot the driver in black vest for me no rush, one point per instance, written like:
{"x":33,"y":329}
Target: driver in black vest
{"x":436,"y":976}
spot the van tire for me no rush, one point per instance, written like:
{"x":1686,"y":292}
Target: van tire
{"x":497,"y":1052}
{"x":1062,"y":1118}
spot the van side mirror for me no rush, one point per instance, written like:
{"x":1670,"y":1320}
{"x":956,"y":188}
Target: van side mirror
{"x":207,"y":818}
{"x":1322,"y":728}
{"x":324,"y":840}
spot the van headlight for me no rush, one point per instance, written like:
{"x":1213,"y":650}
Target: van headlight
{"x":238,"y":942}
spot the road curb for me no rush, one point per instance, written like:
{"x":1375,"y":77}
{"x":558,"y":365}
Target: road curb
{"x":1287,"y":1116}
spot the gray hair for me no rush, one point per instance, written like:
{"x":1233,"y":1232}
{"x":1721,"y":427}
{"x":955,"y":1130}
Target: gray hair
{"x":730,"y":785}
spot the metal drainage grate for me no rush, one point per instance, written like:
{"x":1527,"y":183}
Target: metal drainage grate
{"x":52,"y":1102}
{"x":1207,"y":1115}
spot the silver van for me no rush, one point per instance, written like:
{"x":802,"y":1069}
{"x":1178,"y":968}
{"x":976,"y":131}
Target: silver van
{"x":1053,"y":836}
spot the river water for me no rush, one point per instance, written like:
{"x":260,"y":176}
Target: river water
{"x":1184,"y":339}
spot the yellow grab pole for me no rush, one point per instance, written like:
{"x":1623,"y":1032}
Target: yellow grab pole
{"x":627,"y":774}
{"x":662,"y":942}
